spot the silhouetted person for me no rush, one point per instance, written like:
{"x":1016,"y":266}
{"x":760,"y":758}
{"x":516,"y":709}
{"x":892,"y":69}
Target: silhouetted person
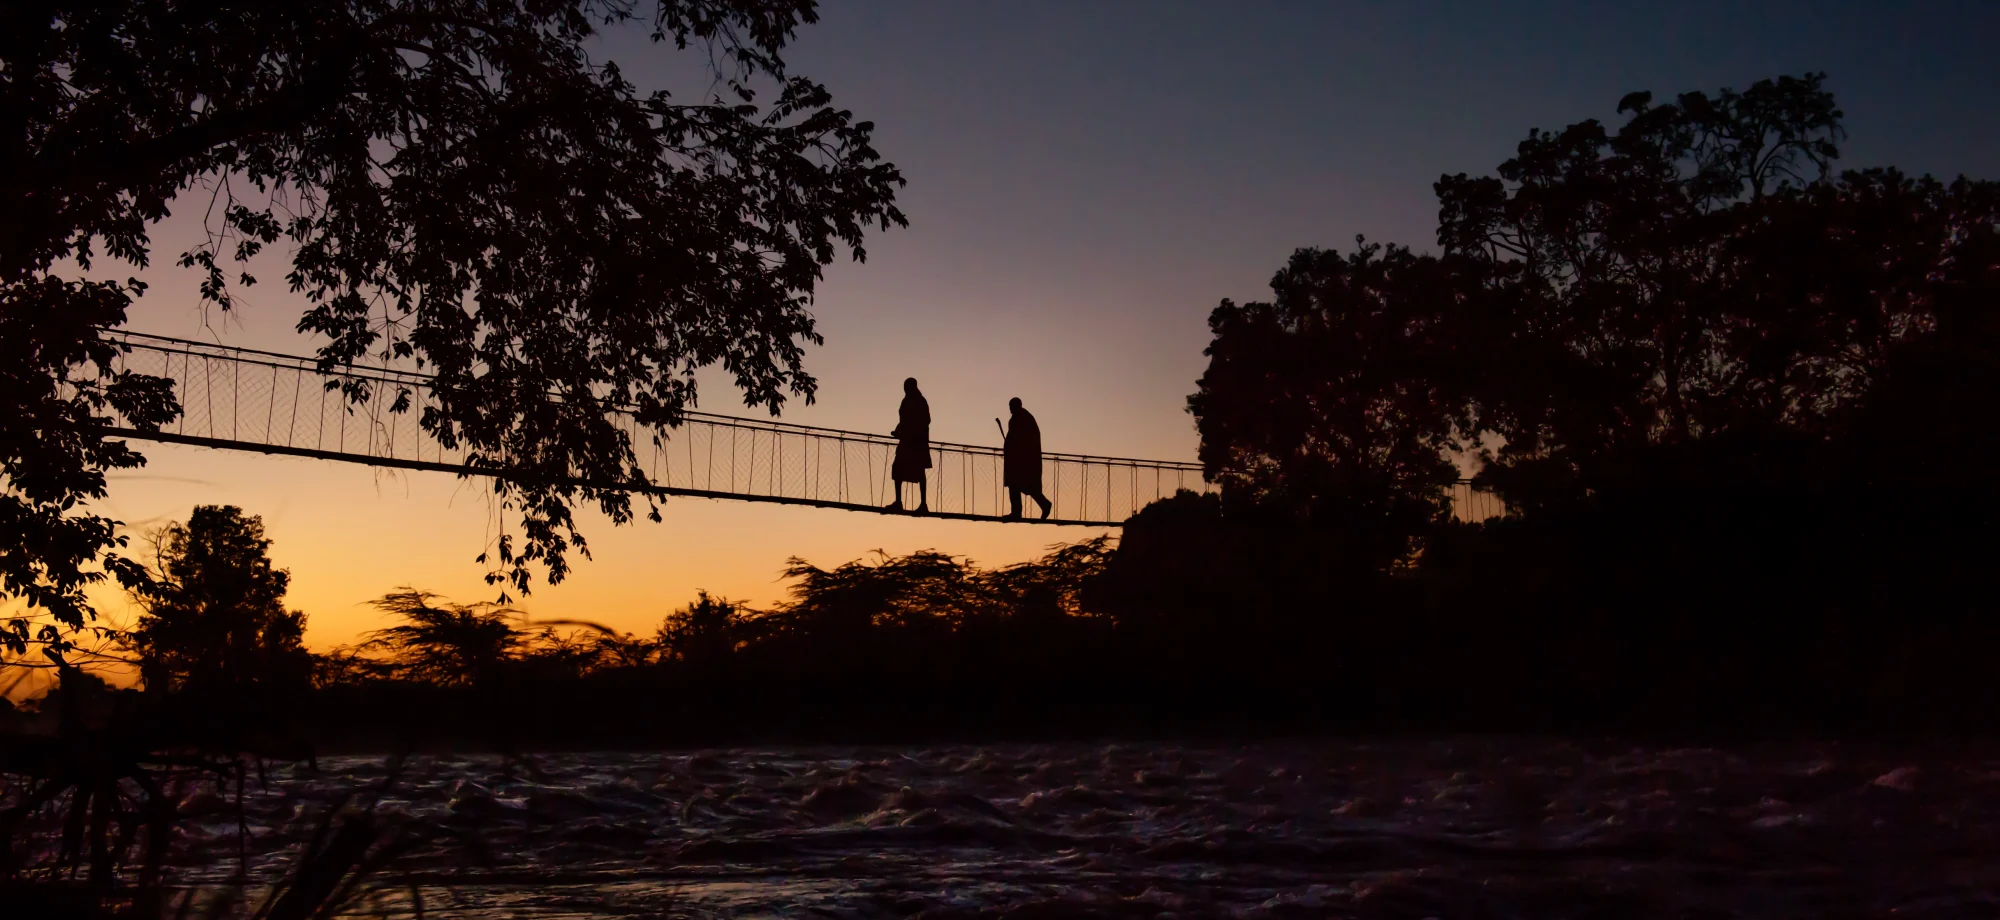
{"x":913,"y":446}
{"x":1023,"y":475}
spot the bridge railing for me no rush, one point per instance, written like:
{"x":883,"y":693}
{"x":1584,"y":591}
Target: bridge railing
{"x":244,"y":398}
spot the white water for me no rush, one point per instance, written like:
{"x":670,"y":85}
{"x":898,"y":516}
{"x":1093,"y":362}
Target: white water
{"x":1471,"y":828}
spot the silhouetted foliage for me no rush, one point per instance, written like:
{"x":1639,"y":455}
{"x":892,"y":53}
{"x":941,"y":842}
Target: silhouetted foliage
{"x":420,"y":156}
{"x":442,"y":642}
{"x":1740,"y":610}
{"x":928,"y":595}
{"x":1735,"y":402}
{"x":56,"y":385}
{"x":702,"y":634}
{"x":1056,"y":585}
{"x":448,"y":644}
{"x":923,"y":590}
{"x":213,"y":615}
{"x":922,"y":620}
{"x":101,"y":796}
{"x":1331,"y":402}
{"x":90,"y":778}
{"x":1700,"y":275}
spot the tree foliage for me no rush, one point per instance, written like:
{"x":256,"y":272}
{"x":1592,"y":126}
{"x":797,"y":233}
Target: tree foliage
{"x":477,"y":645}
{"x":1613,"y":306}
{"x":464,"y":189}
{"x":214,"y":618}
{"x":57,"y":383}
{"x":702,"y":633}
{"x":441,"y":642}
{"x":931,"y":592}
{"x":835,"y":617}
{"x":1335,"y":399}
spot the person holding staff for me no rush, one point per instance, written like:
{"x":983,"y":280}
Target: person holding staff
{"x":1023,"y":460}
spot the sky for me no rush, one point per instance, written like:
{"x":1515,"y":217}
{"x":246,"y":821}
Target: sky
{"x":1086,"y":182}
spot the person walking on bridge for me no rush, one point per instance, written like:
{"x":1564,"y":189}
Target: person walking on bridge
{"x":913,"y":446}
{"x":1023,"y":473}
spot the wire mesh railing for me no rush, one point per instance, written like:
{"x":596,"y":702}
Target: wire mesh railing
{"x":246,"y":399}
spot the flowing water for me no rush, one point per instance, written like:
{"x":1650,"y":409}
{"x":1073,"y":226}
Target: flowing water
{"x":1447,"y":829}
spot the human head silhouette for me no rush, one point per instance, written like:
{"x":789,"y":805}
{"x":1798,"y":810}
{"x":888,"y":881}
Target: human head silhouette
{"x":909,"y":384}
{"x":1014,"y":405}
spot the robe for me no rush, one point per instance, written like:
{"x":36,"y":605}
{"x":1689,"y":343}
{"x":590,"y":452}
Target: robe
{"x":913,"y":439}
{"x":1024,"y":454}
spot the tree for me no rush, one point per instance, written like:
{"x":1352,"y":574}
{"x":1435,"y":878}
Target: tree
{"x":703,"y":633}
{"x":1700,"y":278}
{"x":445,"y":643}
{"x":1060,"y":584}
{"x":1925,"y":418}
{"x":466,"y":190}
{"x":57,"y":384}
{"x":1337,"y":399}
{"x":214,"y":618}
{"x":923,"y":591}
{"x":1692,"y":299}
{"x":925,"y":594}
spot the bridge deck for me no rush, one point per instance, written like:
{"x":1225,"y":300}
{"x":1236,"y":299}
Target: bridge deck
{"x":244,"y":399}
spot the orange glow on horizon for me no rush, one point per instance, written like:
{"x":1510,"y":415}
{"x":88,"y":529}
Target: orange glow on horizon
{"x":350,"y":533}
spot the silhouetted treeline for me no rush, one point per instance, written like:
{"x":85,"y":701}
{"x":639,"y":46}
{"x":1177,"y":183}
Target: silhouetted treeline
{"x":1736,"y":402}
{"x":1704,"y":612}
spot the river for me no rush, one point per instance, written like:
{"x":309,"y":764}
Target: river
{"x":1485,"y":828}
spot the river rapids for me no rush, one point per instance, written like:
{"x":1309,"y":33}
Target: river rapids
{"x":1502,"y":828}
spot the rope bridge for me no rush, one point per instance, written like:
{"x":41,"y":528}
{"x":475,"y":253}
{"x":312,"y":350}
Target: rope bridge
{"x":245,"y":399}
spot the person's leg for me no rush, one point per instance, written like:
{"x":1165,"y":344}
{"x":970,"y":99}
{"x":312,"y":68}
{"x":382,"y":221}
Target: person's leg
{"x":923,"y":495}
{"x":1014,"y":498}
{"x":1040,"y":499}
{"x":896,"y":504}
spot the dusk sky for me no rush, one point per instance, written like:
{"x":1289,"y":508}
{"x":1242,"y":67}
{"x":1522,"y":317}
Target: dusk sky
{"x":1086,"y":182}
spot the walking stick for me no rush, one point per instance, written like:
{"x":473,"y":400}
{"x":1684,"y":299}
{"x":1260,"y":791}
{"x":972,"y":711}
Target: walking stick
{"x":1003,"y":453}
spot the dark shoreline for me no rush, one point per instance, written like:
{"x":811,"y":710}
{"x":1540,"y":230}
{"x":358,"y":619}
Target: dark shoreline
{"x":464,"y":722}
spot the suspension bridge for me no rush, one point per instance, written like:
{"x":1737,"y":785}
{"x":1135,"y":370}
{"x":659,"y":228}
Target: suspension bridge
{"x":245,"y":399}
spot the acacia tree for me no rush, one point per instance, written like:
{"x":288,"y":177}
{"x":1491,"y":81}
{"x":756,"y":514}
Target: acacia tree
{"x":214,"y":617}
{"x":445,"y":643}
{"x":465,"y":189}
{"x":931,"y":592}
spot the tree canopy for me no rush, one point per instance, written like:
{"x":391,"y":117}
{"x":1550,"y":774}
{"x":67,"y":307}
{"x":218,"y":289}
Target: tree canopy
{"x":445,"y":642}
{"x":1332,"y":399}
{"x":214,"y":617}
{"x":1699,"y":277}
{"x":464,"y":187}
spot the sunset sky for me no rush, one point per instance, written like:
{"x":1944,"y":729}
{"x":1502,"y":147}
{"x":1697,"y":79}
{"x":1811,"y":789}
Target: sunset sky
{"x":1086,"y":181}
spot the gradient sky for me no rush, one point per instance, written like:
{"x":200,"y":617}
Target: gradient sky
{"x":1086,"y":181}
